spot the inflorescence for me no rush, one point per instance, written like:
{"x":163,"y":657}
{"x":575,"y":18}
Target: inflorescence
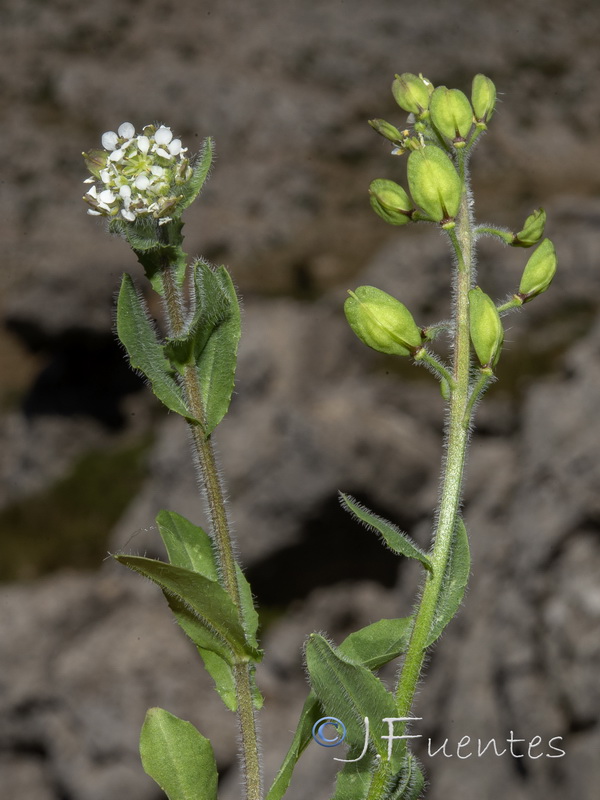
{"x":137,"y":175}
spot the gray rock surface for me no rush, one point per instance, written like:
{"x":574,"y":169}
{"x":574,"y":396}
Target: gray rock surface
{"x":286,"y":90}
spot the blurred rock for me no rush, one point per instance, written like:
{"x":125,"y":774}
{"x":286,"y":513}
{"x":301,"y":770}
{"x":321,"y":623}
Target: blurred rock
{"x":286,"y":90}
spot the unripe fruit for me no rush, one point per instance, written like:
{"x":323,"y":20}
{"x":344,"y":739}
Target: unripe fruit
{"x":533,"y":230}
{"x":539,"y":271}
{"x":483,"y":98}
{"x":390,"y":202}
{"x":451,"y":113}
{"x":412,"y":92}
{"x":434,"y":183}
{"x":487,"y":333}
{"x":382,"y":322}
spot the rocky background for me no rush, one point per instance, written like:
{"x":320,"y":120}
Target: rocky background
{"x":87,"y":458}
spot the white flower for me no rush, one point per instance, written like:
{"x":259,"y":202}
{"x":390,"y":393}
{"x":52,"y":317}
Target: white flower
{"x":163,"y":135}
{"x":109,"y":140}
{"x":129,"y":177}
{"x":126,"y":130}
{"x":142,"y":182}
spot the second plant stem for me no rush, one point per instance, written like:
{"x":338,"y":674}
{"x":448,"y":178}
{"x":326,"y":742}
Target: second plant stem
{"x":457,"y":438}
{"x":215,"y":497}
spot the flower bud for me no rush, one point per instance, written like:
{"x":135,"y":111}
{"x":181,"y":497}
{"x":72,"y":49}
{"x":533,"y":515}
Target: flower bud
{"x":382,"y":322}
{"x":390,"y":201}
{"x":412,"y":92}
{"x":533,"y":230}
{"x":451,"y":113}
{"x":487,"y":333}
{"x":483,"y":98}
{"x":539,"y":271}
{"x":95,"y":161}
{"x":434,"y":183}
{"x":387,"y":130}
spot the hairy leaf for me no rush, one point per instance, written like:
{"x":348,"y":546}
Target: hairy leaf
{"x":190,"y":547}
{"x":396,"y":540}
{"x":144,"y":350}
{"x":377,"y":644}
{"x":455,"y":581}
{"x":201,"y":167}
{"x":202,"y":607}
{"x":372,"y":646}
{"x":178,"y":757}
{"x":349,"y":692}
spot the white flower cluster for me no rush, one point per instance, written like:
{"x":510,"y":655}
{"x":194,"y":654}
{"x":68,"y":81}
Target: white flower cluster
{"x":136,"y":175}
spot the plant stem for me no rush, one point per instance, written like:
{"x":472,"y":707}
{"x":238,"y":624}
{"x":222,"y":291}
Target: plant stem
{"x":215,"y":498}
{"x":457,"y":436}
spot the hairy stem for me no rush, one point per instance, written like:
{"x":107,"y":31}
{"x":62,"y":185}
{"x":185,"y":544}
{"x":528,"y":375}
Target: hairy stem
{"x":210,"y":480}
{"x":457,"y":437}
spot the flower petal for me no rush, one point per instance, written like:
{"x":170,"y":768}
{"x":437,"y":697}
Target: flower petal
{"x":126,"y":130}
{"x":109,"y":140}
{"x":163,"y":135}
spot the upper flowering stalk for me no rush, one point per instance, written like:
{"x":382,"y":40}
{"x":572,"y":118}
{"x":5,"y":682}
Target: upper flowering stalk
{"x":135,"y":176}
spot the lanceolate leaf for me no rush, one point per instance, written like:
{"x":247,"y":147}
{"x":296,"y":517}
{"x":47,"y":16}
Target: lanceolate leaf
{"x":454,"y":583}
{"x":396,"y":540}
{"x":222,"y":674}
{"x":144,"y":350}
{"x":202,"y":607}
{"x":178,"y":757}
{"x":378,"y":643}
{"x":410,"y":781}
{"x":190,"y":547}
{"x":201,"y":167}
{"x":349,"y":692}
{"x":311,"y":713}
{"x":216,"y":355}
{"x":372,"y":646}
{"x":354,"y":780}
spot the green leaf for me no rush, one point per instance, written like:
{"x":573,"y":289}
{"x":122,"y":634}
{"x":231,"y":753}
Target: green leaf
{"x":311,"y":712}
{"x":354,"y":780}
{"x":178,"y":757}
{"x":372,"y":646}
{"x":145,"y":352}
{"x":216,"y":355}
{"x":201,"y":166}
{"x":188,"y":545}
{"x":411,"y":781}
{"x":211,"y":341}
{"x":396,"y":540}
{"x":202,"y":607}
{"x":455,"y":581}
{"x":157,"y":247}
{"x":377,"y":644}
{"x":222,"y":674}
{"x":349,"y":692}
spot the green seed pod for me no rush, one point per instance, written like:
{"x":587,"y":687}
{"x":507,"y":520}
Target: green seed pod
{"x":533,"y":230}
{"x":387,"y":130}
{"x":382,"y":322}
{"x":483,"y":98}
{"x":539,"y":271}
{"x":390,"y":202}
{"x":451,"y":113}
{"x":487,"y":333}
{"x":434,"y":183}
{"x":412,"y":92}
